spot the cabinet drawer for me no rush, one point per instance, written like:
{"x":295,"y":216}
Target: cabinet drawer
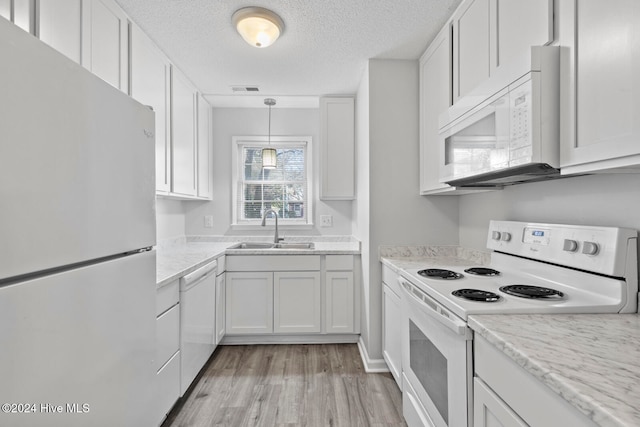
{"x":339,"y":262}
{"x":222,"y":265}
{"x":166,"y":297}
{"x":390,"y":278}
{"x":167,"y":387}
{"x":518,"y":388}
{"x":167,"y":335}
{"x":273,"y":263}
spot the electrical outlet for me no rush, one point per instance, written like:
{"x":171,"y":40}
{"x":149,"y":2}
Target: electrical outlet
{"x":208,"y":221}
{"x":326,"y":221}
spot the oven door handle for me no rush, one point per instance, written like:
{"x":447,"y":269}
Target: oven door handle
{"x":435,"y":309}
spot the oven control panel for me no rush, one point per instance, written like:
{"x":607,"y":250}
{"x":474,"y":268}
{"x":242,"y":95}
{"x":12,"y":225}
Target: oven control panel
{"x":602,"y":250}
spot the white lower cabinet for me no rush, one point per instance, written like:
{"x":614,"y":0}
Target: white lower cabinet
{"x":290,"y":294}
{"x":167,"y":350}
{"x":220,"y":305}
{"x":392,"y":324}
{"x":249,"y":303}
{"x":507,"y":395}
{"x":490,"y":411}
{"x":296,"y":302}
{"x":340,"y":313}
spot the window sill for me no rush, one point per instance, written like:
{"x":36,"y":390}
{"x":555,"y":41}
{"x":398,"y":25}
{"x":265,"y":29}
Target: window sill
{"x":270,"y":225}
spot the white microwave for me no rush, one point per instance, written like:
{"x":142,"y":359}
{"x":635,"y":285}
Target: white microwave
{"x":508,"y":137}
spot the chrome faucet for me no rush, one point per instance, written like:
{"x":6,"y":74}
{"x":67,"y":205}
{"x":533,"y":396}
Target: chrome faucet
{"x":276,"y":239}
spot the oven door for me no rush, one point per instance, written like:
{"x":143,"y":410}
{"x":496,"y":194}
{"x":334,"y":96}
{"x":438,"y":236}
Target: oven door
{"x":436,"y":358}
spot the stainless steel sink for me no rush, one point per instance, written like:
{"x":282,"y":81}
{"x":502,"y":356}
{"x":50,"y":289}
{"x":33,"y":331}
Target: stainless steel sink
{"x":294,"y":245}
{"x":281,"y":245}
{"x":252,"y":245}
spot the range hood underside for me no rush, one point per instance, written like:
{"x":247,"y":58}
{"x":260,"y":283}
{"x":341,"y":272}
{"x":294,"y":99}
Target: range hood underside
{"x":530,"y":172}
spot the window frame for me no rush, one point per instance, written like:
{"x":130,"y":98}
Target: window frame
{"x":238,"y":143}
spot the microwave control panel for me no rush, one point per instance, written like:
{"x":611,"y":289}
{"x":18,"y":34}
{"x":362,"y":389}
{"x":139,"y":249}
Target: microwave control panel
{"x":520,"y":119}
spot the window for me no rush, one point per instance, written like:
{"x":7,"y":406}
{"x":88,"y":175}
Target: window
{"x":284,"y":189}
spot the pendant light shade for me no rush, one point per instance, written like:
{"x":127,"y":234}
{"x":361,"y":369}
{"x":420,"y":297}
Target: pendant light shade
{"x":269,"y":159}
{"x":269,"y":155}
{"x":258,"y":26}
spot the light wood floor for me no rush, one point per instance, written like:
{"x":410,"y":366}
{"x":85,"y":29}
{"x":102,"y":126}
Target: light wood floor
{"x":289,"y":385}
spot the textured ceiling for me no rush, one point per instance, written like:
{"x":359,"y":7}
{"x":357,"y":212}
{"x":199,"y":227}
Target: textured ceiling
{"x":323,"y":50}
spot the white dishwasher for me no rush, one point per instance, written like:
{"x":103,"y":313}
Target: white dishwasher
{"x":197,"y":321}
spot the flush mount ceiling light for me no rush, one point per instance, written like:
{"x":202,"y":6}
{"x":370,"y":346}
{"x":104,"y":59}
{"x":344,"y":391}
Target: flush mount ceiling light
{"x":258,"y":26}
{"x":269,"y":157}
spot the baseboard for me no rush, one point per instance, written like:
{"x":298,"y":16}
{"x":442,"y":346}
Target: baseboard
{"x":289,"y":339}
{"x":371,"y":365}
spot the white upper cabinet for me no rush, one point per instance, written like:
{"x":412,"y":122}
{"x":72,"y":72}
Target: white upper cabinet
{"x":600,"y":97}
{"x":105,"y":50}
{"x":205,"y":155}
{"x":435,"y":97}
{"x":20,"y":12}
{"x":5,"y":9}
{"x":472,"y":46}
{"x":183,"y":138}
{"x":150,"y":85}
{"x":60,"y":26}
{"x":337,"y":148}
{"x":520,"y":25}
{"x":489,"y":34}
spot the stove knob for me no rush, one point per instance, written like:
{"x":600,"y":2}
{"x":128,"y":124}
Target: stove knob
{"x":496,"y":235}
{"x":506,"y":236}
{"x":590,"y":248}
{"x":570,"y":245}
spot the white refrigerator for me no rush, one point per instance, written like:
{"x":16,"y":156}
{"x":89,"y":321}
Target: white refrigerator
{"x":77,"y":230}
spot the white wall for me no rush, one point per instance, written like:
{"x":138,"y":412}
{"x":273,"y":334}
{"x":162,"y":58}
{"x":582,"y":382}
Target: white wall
{"x":229,"y":122}
{"x":170,"y":218}
{"x":605,"y":200}
{"x":362,"y":202}
{"x":389,"y":144}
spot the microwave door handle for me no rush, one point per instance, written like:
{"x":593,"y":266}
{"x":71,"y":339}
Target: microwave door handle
{"x":449,"y":319}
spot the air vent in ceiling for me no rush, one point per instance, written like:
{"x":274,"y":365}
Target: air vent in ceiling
{"x":245,"y":88}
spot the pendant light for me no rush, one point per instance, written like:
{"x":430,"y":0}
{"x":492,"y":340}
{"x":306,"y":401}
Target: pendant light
{"x":269,"y":159}
{"x":258,"y":26}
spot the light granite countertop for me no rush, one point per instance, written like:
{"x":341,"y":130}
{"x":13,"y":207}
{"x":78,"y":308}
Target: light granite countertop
{"x":590,"y":360}
{"x":181,"y":256}
{"x":399,"y":258}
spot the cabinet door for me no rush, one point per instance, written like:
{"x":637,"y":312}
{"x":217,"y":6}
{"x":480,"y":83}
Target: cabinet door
{"x":60,"y":26}
{"x":490,"y":411}
{"x":392,"y":332}
{"x":150,"y":86}
{"x":435,"y":98}
{"x":339,"y":310}
{"x":183,"y":147}
{"x":23,"y":15}
{"x":521,"y":24}
{"x":5,"y":9}
{"x":337,"y":148}
{"x":205,"y":159}
{"x":296,"y":302}
{"x":220,"y":307}
{"x":600,"y":99}
{"x":472,"y":45}
{"x":105,"y":42}
{"x":167,"y":335}
{"x":249,"y":303}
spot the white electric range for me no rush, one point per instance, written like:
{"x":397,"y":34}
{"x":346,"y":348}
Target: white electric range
{"x":535,"y":268}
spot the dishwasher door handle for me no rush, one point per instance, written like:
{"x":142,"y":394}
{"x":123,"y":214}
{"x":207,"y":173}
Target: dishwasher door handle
{"x":193,"y":278}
